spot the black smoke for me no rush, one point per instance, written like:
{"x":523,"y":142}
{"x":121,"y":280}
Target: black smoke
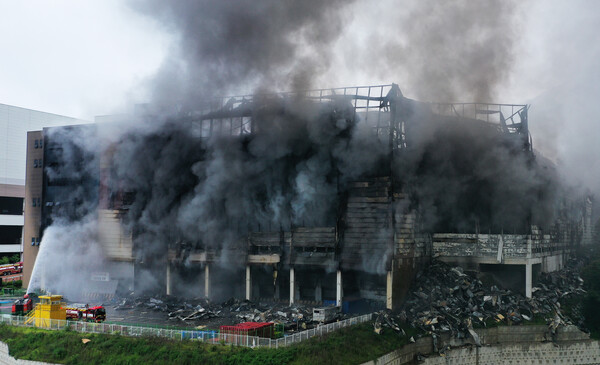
{"x":235,"y":46}
{"x":208,"y":193}
{"x":186,"y":191}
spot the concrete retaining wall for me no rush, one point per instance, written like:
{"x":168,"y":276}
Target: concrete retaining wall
{"x":6,"y":359}
{"x":502,"y":345}
{"x":587,"y":352}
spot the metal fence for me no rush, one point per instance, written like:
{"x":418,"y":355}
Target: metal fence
{"x":183,"y":334}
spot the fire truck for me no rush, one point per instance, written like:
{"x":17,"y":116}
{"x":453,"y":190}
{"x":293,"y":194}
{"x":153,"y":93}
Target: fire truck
{"x":11,"y":269}
{"x":23,"y":306}
{"x":83,"y":312}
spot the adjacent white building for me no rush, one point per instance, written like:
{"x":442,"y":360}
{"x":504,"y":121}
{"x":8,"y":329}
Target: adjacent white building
{"x":15,"y":122}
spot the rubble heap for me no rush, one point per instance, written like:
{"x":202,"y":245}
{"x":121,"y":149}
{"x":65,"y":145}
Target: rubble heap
{"x":195,"y":312}
{"x":446,"y":299}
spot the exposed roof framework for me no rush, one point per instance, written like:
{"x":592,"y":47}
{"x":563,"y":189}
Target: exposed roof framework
{"x":382,"y":107}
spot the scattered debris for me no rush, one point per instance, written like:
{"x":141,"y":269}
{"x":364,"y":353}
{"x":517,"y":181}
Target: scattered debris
{"x":232,"y":311}
{"x":446,"y":299}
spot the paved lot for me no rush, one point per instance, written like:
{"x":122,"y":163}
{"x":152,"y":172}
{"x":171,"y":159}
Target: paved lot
{"x":145,"y":317}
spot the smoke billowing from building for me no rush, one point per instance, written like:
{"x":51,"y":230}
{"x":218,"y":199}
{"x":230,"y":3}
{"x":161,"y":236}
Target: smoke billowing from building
{"x":453,"y":51}
{"x":295,"y":164}
{"x":225,"y":46}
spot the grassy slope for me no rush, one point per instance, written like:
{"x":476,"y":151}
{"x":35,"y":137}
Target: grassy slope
{"x":351,"y":345}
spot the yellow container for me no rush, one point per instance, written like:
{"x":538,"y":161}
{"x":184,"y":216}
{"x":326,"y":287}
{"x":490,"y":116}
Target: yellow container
{"x":50,"y":309}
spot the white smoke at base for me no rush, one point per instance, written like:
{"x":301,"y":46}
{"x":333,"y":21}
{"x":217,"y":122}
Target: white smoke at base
{"x":69,"y":254}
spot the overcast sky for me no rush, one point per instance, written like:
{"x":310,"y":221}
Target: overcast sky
{"x":88,"y":58}
{"x":76,"y":58}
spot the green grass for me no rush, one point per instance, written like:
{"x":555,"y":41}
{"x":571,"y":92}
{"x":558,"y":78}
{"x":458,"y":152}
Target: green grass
{"x":351,"y":345}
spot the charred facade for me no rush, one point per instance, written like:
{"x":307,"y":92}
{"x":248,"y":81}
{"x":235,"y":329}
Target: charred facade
{"x":337,"y":196}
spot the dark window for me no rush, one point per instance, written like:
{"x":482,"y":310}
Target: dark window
{"x":33,"y":241}
{"x":33,"y":201}
{"x":10,"y":234}
{"x":10,"y":205}
{"x":35,"y":163}
{"x":36,"y":144}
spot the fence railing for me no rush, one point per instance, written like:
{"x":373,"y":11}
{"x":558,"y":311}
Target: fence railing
{"x":182,"y":334}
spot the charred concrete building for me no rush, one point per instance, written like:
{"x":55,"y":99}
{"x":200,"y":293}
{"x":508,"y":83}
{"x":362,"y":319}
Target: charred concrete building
{"x":336,"y":196}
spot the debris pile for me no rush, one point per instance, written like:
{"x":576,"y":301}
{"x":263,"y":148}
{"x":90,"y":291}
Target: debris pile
{"x":232,"y":311}
{"x":446,"y":299}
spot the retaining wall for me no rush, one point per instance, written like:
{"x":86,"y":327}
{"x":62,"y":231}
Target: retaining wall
{"x":523,"y":345}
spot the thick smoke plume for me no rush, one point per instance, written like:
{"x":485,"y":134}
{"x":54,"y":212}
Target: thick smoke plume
{"x":189,"y":192}
{"x":440,"y":51}
{"x":209,"y":193}
{"x":234,"y":46}
{"x":457,"y":50}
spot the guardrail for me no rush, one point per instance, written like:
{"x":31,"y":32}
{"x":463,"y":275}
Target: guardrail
{"x":182,"y":334}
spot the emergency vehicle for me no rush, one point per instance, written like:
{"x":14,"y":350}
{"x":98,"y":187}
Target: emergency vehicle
{"x":11,"y":269}
{"x":83,"y":312}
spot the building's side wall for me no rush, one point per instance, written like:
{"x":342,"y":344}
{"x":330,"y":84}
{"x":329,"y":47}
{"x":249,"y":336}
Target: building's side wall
{"x":33,"y":214}
{"x":412,"y":250}
{"x":479,"y":246}
{"x":15,"y":122}
{"x":470,"y":250}
{"x":116,"y":243}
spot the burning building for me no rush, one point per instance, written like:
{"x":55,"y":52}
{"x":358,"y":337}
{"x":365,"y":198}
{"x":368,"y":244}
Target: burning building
{"x":332,"y":196}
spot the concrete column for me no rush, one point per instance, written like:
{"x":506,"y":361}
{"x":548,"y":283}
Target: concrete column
{"x":338,"y":291}
{"x":528,"y":279}
{"x":206,"y":281}
{"x":275,"y":284}
{"x":318,"y":291}
{"x":248,"y":283}
{"x":168,"y":278}
{"x":388,"y":290}
{"x":292,"y":286}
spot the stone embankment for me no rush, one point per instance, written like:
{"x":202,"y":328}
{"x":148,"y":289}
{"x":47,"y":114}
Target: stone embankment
{"x":523,"y":345}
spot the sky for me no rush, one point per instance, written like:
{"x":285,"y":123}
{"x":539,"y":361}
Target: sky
{"x":89,"y":58}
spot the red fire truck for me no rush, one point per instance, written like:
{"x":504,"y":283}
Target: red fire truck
{"x":83,"y":312}
{"x":11,"y":269}
{"x":23,"y":306}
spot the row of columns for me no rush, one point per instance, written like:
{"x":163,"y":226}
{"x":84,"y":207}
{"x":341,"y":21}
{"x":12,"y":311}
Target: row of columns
{"x":318,"y":288}
{"x":206,"y":280}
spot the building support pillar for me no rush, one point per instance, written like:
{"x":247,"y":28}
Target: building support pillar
{"x":248,"y":283}
{"x":275,"y":284}
{"x":292,"y":286}
{"x":528,"y":279}
{"x":338,"y":291}
{"x":206,"y":281}
{"x":168,"y":278}
{"x":319,"y":291}
{"x":389,"y":302}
